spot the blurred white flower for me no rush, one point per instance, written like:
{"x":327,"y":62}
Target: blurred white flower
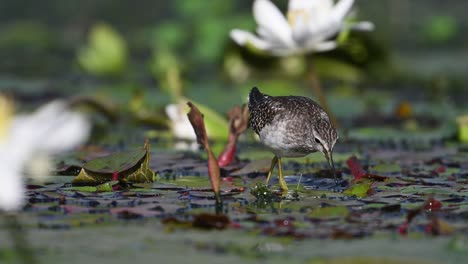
{"x":181,"y":127}
{"x":180,"y":124}
{"x":49,"y":130}
{"x":309,"y":26}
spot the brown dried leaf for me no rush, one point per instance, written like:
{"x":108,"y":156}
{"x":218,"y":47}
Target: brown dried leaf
{"x":238,"y":119}
{"x":196,"y":119}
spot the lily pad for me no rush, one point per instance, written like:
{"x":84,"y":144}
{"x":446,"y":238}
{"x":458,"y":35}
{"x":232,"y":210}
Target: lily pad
{"x":132,"y":166}
{"x":330,"y":212}
{"x":359,"y":189}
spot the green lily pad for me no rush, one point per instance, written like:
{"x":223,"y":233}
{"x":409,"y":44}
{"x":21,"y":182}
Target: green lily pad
{"x":359,"y":189}
{"x":190,"y":182}
{"x":330,"y":212}
{"x":105,"y":187}
{"x":131,"y":166}
{"x":386,"y":168}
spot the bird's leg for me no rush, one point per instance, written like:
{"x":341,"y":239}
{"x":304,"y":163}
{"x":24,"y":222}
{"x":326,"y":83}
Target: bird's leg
{"x":274,"y":161}
{"x":282,"y":182}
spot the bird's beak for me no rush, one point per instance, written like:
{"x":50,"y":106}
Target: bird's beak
{"x":329,"y":157}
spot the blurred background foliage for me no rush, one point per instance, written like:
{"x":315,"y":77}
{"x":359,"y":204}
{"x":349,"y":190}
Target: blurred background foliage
{"x":137,"y":57}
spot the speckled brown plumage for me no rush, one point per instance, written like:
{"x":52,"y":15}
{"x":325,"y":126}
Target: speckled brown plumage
{"x":291,"y":126}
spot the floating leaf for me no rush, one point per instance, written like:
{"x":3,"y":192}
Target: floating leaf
{"x":131,"y":166}
{"x":255,"y":166}
{"x":359,"y":189}
{"x":358,"y":172}
{"x":189,"y":182}
{"x":329,"y":212}
{"x":386,"y":168}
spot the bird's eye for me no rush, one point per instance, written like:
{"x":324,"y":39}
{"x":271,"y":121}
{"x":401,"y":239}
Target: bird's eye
{"x":317,"y":141}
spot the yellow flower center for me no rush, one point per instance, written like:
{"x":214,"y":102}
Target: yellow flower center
{"x":6,"y":112}
{"x":295,"y":14}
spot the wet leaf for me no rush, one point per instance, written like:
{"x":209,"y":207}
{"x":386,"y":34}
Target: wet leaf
{"x":255,"y":166}
{"x":211,"y":221}
{"x":386,"y":168}
{"x":329,"y":212}
{"x":131,"y":166}
{"x":359,"y":189}
{"x":356,"y":168}
{"x":358,"y":172}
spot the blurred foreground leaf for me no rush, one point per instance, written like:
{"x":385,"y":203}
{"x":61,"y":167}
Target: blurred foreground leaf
{"x":131,"y":166}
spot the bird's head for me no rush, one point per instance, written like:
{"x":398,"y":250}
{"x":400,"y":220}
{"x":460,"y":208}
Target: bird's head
{"x":325,"y":137}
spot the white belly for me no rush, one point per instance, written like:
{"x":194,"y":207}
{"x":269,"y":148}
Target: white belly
{"x":275,"y":138}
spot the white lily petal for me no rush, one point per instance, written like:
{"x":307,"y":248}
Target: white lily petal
{"x":324,"y":46}
{"x":330,"y":26}
{"x":314,"y":11}
{"x":272,"y":21}
{"x":70,"y":130}
{"x":287,"y":51}
{"x":363,"y":26}
{"x":180,"y":124}
{"x":310,"y":4}
{"x":243,"y":38}
{"x":300,"y":31}
{"x":341,"y":9}
{"x":12,"y":194}
{"x":51,"y":129}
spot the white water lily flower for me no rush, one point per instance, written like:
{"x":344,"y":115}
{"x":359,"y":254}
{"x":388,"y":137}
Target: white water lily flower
{"x":49,"y":130}
{"x":308,"y":27}
{"x":181,"y":127}
{"x":180,"y":124}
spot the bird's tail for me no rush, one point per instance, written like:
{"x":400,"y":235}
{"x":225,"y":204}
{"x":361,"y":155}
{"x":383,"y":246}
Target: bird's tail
{"x":255,"y":97}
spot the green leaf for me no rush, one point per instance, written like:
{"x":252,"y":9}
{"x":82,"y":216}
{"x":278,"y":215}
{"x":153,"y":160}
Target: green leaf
{"x":330,"y":212}
{"x":132,"y":166}
{"x":117,"y":162}
{"x":386,"y":168}
{"x":217,"y":127}
{"x":106,"y":53}
{"x":441,"y":28}
{"x":359,"y":189}
{"x":209,"y":40}
{"x":170,"y":35}
{"x":189,"y":182}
